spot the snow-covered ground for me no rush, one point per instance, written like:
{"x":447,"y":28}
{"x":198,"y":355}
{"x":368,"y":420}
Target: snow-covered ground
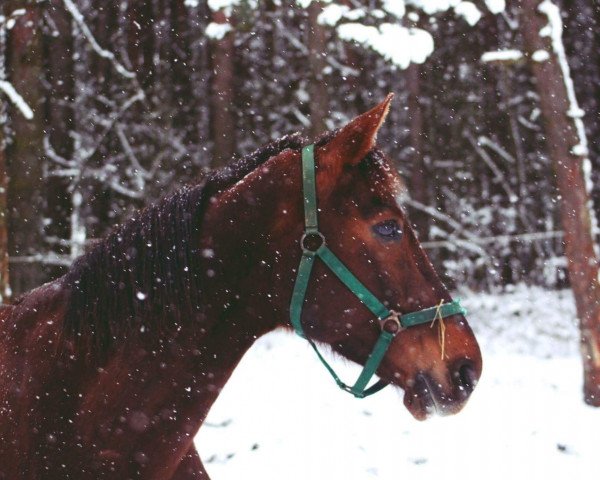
{"x":282,"y":417}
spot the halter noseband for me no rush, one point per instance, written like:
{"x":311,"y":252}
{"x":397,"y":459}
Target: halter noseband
{"x":313,"y":245}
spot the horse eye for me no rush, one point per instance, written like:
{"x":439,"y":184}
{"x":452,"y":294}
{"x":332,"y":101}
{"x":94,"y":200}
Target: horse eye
{"x":388,"y":229}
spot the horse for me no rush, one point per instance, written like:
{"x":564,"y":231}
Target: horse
{"x":110,"y":370}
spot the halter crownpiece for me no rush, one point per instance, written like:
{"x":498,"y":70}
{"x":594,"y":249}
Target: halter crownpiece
{"x":313,"y":244}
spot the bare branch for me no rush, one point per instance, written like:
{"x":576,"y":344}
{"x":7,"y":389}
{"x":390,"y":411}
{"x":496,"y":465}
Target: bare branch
{"x":87,"y":33}
{"x":513,"y":197}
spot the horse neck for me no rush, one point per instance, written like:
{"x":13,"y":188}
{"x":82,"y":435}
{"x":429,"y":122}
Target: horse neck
{"x":252,"y":231}
{"x":237,"y":271}
{"x":241,"y":302}
{"x":246,"y":286}
{"x":154,"y":396}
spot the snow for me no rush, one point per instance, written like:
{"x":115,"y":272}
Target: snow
{"x":431,"y":7}
{"x":502,"y":56}
{"x":469,"y":12}
{"x":7,"y":292}
{"x":495,"y":6}
{"x":395,"y":43}
{"x":17,"y":100}
{"x":78,"y":230}
{"x":306,"y":3}
{"x":332,"y":14}
{"x":575,"y":112}
{"x":217,"y":31}
{"x":396,"y":8}
{"x":359,"y":13}
{"x":215,"y":5}
{"x":413,"y":17}
{"x":540,"y":56}
{"x":526,"y":419}
{"x":581,"y":151}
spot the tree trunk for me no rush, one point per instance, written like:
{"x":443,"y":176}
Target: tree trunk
{"x":180,"y":62}
{"x":222,"y":94}
{"x":58,"y":55}
{"x":111,"y":29}
{"x":141,"y":42}
{"x":418,"y":182}
{"x":5,"y":292}
{"x":566,"y":149}
{"x":317,"y":48}
{"x":582,"y":37}
{"x":24,"y":154}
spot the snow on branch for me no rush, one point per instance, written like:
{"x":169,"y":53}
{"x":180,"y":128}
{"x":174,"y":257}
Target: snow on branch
{"x":87,"y":33}
{"x":227,"y":6}
{"x":217,"y":31}
{"x":502,"y":56}
{"x":500,"y":178}
{"x":16,"y":99}
{"x":395,"y":42}
{"x":469,"y":12}
{"x":471,"y":241}
{"x":332,"y":14}
{"x":399,"y":45}
{"x":49,"y":258}
{"x":517,"y":237}
{"x":491,"y":144}
{"x":9,"y":22}
{"x":55,"y":157}
{"x":554,"y":30}
{"x":87,"y":153}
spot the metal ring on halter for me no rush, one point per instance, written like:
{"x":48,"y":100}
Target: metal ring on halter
{"x":309,"y":236}
{"x":391,"y":323}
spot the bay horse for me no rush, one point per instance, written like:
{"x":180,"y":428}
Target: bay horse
{"x":110,"y":370}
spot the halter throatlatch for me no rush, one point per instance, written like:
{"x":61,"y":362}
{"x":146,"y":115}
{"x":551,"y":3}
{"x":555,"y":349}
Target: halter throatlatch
{"x":314,"y":245}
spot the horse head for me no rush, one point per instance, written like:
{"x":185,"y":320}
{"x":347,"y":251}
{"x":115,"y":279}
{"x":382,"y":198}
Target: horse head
{"x":437,"y":362}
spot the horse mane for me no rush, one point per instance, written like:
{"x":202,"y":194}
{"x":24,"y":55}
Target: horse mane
{"x":146,"y":270}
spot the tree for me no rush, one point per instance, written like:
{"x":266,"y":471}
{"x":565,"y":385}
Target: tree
{"x":541,"y":27}
{"x":418,"y":174}
{"x":24,"y":153}
{"x":222,"y":87}
{"x":317,"y":87}
{"x":5,"y":293}
{"x":59,"y":95}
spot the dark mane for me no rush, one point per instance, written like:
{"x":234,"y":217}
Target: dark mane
{"x":144,"y":270}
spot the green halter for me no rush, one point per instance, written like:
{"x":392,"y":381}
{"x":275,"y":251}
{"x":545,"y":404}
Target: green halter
{"x":313,"y":245}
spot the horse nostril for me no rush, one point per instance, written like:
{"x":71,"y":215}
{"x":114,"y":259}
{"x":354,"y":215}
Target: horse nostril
{"x":466,"y":376}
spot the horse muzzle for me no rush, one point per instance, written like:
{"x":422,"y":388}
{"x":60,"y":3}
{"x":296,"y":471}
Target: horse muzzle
{"x":425,"y":395}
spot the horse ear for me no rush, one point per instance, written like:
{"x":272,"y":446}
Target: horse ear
{"x":350,"y":145}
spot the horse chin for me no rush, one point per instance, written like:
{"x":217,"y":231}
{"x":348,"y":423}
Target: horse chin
{"x":424,"y":400}
{"x":419,"y":408}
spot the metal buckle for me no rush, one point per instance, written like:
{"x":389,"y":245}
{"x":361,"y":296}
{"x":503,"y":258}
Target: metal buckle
{"x":391,"y":324}
{"x":312,"y":241}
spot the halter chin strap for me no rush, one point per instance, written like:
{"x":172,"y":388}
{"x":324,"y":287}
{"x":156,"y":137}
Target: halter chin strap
{"x":313,"y":245}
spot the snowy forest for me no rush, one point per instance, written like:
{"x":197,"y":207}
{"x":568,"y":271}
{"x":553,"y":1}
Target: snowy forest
{"x":107,"y":106}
